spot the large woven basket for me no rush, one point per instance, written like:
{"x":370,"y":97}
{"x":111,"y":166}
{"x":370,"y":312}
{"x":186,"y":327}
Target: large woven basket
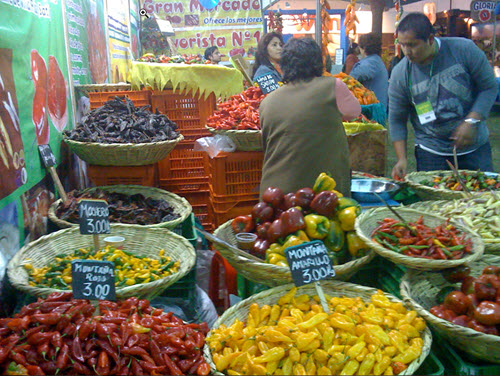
{"x":259,"y":271}
{"x":491,"y":245}
{"x":138,"y":240}
{"x":414,"y":180}
{"x":245,"y":140}
{"x":332,"y":288}
{"x":368,"y":221}
{"x":419,"y":290}
{"x":95,"y":153}
{"x":180,"y":204}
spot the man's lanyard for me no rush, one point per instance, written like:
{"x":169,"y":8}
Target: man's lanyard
{"x":410,"y":69}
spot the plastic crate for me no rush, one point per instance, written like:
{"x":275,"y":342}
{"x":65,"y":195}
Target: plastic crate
{"x":189,"y":111}
{"x":457,"y":362}
{"x":235,"y":173}
{"x":199,"y":202}
{"x":138,"y":97}
{"x":187,"y":229}
{"x":184,"y":287}
{"x":223,"y":204}
{"x":240,"y":208}
{"x":431,"y":366}
{"x":112,"y":175}
{"x":248,"y":288}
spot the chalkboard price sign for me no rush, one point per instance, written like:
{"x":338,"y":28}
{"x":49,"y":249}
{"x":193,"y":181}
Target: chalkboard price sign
{"x":94,"y":217}
{"x":48,"y":158}
{"x":94,"y":280}
{"x":309,"y":262}
{"x":267,"y":83}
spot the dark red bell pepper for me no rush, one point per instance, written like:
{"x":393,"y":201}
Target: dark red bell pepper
{"x":325,"y":203}
{"x":243,"y":223}
{"x":304,"y":197}
{"x":275,"y":231}
{"x":273,"y":196}
{"x":262,"y":212}
{"x":293,"y":221}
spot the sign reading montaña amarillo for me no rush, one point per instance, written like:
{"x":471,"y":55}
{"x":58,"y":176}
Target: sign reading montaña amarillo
{"x":309,"y":262}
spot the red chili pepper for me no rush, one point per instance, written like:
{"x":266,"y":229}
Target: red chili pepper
{"x":59,"y":297}
{"x":5,"y":351}
{"x":36,"y":329}
{"x":39,"y":338}
{"x":132,"y":340}
{"x":34,"y":370}
{"x":199,"y":360}
{"x":138,"y":351}
{"x":151,"y":369}
{"x":86,"y":328}
{"x":49,"y":367}
{"x":105,"y":330}
{"x":43,"y":349}
{"x":76,"y":350}
{"x":32,"y":356}
{"x":18,"y":357}
{"x":69,"y":330}
{"x":113,"y":320}
{"x":107,"y":347}
{"x":19,"y":324}
{"x":103,"y":364}
{"x":172,"y":367}
{"x":199,"y":339}
{"x":54,"y":307}
{"x":135,"y":368}
{"x":46,"y":318}
{"x":56,"y":340}
{"x":116,"y":340}
{"x":62,"y":358}
{"x":155,"y":353}
{"x":203,"y":369}
{"x":81,"y":369}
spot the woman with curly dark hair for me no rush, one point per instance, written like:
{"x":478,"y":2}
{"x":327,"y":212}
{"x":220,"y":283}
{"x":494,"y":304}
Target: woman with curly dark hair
{"x":301,"y":123}
{"x":371,"y":70}
{"x":267,"y":57}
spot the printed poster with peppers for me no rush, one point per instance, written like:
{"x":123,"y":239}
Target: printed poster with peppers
{"x":119,"y":39}
{"x":234,"y":26}
{"x":87,"y":41}
{"x":34,"y":98}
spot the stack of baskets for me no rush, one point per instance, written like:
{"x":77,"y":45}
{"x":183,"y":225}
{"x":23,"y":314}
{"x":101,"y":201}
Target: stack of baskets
{"x":182,"y":172}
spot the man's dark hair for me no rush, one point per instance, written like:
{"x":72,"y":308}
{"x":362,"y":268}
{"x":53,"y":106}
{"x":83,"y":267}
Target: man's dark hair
{"x":418,"y":23}
{"x":209,"y":51}
{"x":371,"y":43}
{"x":261,"y":56}
{"x":301,"y":59}
{"x":352,"y":49}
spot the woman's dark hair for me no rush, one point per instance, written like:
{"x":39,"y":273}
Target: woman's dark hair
{"x":261,"y":56}
{"x":301,"y":59}
{"x":209,"y":51}
{"x":371,"y":43}
{"x":418,"y":23}
{"x":352,"y":49}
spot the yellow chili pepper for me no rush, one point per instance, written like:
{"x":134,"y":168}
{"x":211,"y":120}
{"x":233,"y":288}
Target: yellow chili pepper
{"x":321,"y":356}
{"x":324,"y":370}
{"x":137,"y":328}
{"x":273,"y":335}
{"x":381,"y":366}
{"x":253,"y":310}
{"x":390,"y":351}
{"x":362,"y":354}
{"x":379,"y":333}
{"x":274,"y":314}
{"x":340,"y":323}
{"x":287,"y":366}
{"x":350,"y":367}
{"x":408,"y":330}
{"x":355,"y":350}
{"x":298,"y":369}
{"x":411,"y":353}
{"x":315,"y":344}
{"x":399,"y":340}
{"x":367,"y":364}
{"x":310,"y":367}
{"x":304,"y":339}
{"x":287,"y":298}
{"x":313,"y":321}
{"x":276,"y":353}
{"x":328,"y":337}
{"x":223,"y":361}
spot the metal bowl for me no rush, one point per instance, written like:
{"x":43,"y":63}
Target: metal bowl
{"x":362,"y":189}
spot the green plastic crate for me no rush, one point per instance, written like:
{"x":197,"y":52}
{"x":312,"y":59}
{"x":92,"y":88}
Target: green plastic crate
{"x":186,"y":286}
{"x":431,"y":366}
{"x":457,"y":362}
{"x":248,"y":288}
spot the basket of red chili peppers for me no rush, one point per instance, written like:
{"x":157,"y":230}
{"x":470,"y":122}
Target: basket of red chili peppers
{"x":424,"y":241}
{"x":460,"y":304}
{"x":238,"y":119}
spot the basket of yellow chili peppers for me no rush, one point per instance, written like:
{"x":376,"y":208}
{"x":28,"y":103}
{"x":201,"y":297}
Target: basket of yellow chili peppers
{"x":151,"y":260}
{"x":284,"y":220}
{"x":284,"y":331}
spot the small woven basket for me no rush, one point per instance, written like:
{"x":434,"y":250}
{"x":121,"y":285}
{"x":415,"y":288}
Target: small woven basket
{"x":259,"y":271}
{"x":95,"y":153}
{"x":425,"y":192}
{"x":420,"y":289}
{"x":438,"y":207}
{"x":180,"y":204}
{"x":332,"y":288}
{"x":245,"y":140}
{"x":368,"y":221}
{"x":138,"y":240}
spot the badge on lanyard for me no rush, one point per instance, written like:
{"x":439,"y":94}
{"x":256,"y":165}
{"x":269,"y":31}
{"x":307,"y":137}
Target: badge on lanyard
{"x":425,"y":112}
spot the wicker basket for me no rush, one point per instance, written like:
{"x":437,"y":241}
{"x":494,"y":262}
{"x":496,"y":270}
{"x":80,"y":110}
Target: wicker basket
{"x":368,"y":221}
{"x":259,"y":271}
{"x":139,"y":240}
{"x":245,"y":140}
{"x":180,"y":204}
{"x":420,"y":289}
{"x":332,"y":288}
{"x":414,"y":180}
{"x":122,"y":154}
{"x":437,"y":207}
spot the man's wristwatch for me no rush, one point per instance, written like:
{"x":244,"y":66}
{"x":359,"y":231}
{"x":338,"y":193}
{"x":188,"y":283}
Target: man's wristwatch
{"x":472,"y":121}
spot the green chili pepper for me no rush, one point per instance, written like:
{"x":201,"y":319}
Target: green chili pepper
{"x":388,"y":236}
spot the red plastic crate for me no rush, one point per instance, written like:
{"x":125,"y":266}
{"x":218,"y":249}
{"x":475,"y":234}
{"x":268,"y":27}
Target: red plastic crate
{"x":138,"y":97}
{"x":240,"y":208}
{"x":111,"y":175}
{"x":235,"y":173}
{"x":224,"y":203}
{"x":199,"y":201}
{"x":189,"y":111}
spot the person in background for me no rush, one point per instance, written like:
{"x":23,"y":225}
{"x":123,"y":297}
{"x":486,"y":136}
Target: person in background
{"x":301,"y":122}
{"x":371,"y":70}
{"x":395,"y":60}
{"x":213,"y":54}
{"x":268,"y":55}
{"x":446,"y":88}
{"x":351,"y":58}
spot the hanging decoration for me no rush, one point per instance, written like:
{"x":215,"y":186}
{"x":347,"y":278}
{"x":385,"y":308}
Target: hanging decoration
{"x":275,"y":22}
{"x":399,"y":14}
{"x":351,"y":19}
{"x":325,"y":27}
{"x":430,"y":12}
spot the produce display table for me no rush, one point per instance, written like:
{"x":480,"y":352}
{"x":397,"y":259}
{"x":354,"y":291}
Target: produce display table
{"x":201,"y":78}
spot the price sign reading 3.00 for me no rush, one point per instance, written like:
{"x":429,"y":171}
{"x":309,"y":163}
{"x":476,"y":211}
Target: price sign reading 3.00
{"x":309,"y":262}
{"x":93,"y":279}
{"x":94,"y":217}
